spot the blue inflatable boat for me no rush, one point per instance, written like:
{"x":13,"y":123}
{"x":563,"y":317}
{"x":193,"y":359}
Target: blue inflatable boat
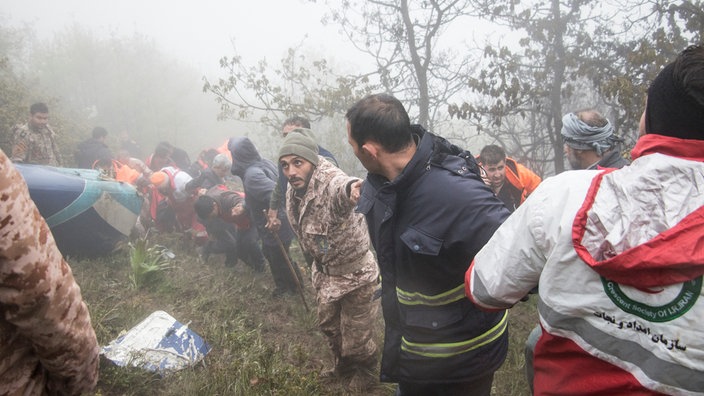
{"x":87,"y":214}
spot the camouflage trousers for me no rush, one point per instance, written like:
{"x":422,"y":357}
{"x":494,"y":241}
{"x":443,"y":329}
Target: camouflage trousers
{"x":348,"y":324}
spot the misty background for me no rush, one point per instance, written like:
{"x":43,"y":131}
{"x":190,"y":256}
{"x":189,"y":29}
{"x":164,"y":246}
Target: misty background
{"x":474,"y":71}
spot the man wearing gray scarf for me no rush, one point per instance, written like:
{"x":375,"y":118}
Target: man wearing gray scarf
{"x":590,"y":142}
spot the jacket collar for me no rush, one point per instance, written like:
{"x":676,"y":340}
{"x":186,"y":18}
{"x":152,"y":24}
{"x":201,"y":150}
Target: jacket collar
{"x":424,"y":148}
{"x":675,"y":254}
{"x":688,"y":149}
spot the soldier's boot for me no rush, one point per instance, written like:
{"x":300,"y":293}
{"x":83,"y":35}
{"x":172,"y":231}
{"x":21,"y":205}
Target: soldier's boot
{"x":364,"y":375}
{"x":341,"y":367}
{"x":331,"y":371}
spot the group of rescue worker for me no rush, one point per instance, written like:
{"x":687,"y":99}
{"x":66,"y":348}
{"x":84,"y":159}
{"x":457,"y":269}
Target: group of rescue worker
{"x":612,"y":250}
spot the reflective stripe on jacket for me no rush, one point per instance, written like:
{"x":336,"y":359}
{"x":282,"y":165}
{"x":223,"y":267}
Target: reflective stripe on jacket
{"x":426,"y":226}
{"x":618,"y":255}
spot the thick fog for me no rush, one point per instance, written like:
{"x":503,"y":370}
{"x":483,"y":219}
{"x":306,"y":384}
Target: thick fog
{"x":197,"y":33}
{"x":194,"y":35}
{"x":195,"y":74}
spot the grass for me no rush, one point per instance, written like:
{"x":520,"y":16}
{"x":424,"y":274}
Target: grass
{"x":260,"y":345}
{"x":146,"y":261}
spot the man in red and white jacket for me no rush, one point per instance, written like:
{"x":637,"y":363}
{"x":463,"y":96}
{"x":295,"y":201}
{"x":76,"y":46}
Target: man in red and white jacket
{"x":619,"y":256}
{"x":171,"y":184}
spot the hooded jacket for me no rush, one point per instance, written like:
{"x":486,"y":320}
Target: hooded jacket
{"x":259,"y":179}
{"x":424,"y":242}
{"x":619,"y":255}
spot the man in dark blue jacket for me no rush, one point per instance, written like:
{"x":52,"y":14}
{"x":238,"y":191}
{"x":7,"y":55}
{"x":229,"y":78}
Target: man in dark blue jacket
{"x":429,"y":213}
{"x":259,"y":178}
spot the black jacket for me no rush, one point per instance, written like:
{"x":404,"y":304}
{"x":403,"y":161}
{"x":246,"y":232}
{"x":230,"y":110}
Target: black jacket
{"x":426,"y":226}
{"x":259,"y":178}
{"x":611,"y":159}
{"x":205,"y":179}
{"x":91,"y":150}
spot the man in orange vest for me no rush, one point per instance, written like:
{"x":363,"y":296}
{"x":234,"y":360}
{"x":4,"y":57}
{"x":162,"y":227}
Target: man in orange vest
{"x":171,"y":183}
{"x":510,"y":181}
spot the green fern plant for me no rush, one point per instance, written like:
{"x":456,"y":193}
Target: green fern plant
{"x":146,"y":261}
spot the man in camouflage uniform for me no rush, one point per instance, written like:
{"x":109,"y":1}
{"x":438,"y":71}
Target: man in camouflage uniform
{"x":344,"y":270}
{"x":35,"y":141}
{"x":47,"y":343}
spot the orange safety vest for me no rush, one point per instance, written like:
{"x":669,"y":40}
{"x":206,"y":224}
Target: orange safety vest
{"x":122,"y":172}
{"x":125,"y":173}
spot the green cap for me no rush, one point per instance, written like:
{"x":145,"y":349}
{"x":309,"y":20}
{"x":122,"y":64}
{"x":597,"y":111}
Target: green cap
{"x":300,"y":142}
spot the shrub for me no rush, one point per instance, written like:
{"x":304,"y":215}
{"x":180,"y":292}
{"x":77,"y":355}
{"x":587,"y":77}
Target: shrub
{"x":147,"y":261}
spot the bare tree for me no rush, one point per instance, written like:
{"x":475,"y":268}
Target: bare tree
{"x":296,"y":86}
{"x":533,"y":79}
{"x":616,"y":47}
{"x":648,"y":35}
{"x":403,"y":39}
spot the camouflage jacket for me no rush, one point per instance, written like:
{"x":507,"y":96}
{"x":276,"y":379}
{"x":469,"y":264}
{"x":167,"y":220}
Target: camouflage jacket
{"x":47,"y":343}
{"x":332,"y":233}
{"x":35,"y":146}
